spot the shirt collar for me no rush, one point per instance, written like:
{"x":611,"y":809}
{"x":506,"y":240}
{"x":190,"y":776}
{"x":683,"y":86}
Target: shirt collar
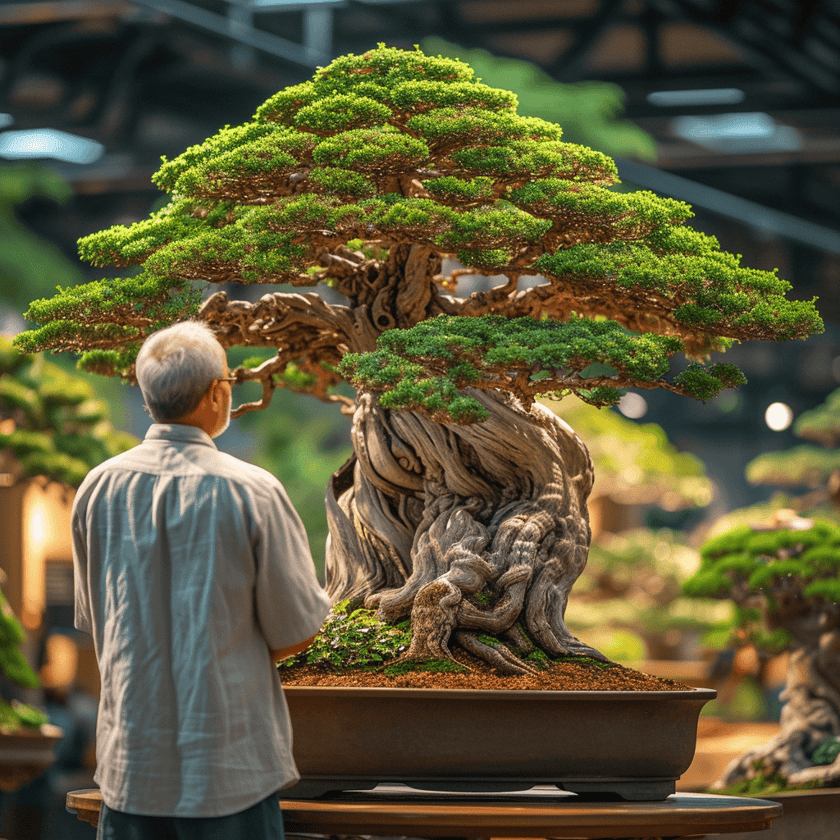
{"x":179,"y":432}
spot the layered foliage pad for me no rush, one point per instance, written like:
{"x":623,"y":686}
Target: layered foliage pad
{"x":397,"y":147}
{"x":427,"y":367}
{"x":51,"y":423}
{"x":771,"y":569}
{"x":821,"y":424}
{"x":799,"y":466}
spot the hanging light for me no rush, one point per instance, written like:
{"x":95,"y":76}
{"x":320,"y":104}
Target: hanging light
{"x":778,"y":416}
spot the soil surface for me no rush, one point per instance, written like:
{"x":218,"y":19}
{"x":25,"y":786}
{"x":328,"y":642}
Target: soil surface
{"x":568,"y":675}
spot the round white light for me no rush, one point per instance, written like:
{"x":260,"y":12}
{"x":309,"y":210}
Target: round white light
{"x":778,"y":416}
{"x":633,"y":406}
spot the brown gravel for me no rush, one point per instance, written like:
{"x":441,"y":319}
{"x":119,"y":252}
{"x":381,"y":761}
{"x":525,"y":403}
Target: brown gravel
{"x":563,"y":676}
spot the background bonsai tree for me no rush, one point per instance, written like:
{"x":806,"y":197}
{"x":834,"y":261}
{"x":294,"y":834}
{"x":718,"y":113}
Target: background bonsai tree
{"x":807,"y":466}
{"x":15,"y":667}
{"x":784,"y":578}
{"x":464,"y":505}
{"x":51,"y":422}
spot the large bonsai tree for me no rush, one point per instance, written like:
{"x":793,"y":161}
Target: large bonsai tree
{"x":464,"y":505}
{"x":783,"y":579}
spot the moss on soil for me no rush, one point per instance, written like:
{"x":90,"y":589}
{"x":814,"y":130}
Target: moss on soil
{"x":355,"y":648}
{"x":566,"y":674}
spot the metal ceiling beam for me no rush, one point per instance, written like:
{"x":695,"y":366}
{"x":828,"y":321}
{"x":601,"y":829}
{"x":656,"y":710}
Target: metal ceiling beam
{"x":747,"y":27}
{"x":731,"y":206}
{"x":306,"y":55}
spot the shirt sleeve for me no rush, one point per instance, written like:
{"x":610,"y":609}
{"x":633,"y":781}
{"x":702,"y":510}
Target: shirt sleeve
{"x":81,"y":619}
{"x":290,"y":603}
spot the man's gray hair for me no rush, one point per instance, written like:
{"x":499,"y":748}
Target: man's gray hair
{"x":175,"y":367}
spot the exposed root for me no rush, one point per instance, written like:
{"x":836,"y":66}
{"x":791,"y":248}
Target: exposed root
{"x":432,"y":620}
{"x":499,"y":656}
{"x":504,"y":613}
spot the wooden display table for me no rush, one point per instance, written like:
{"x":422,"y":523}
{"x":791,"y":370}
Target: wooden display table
{"x":395,"y":810}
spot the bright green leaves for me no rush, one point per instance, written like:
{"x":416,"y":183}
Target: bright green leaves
{"x":105,"y":314}
{"x":285,"y":104}
{"x":485,"y":227}
{"x":707,"y":292}
{"x":421,"y":96}
{"x":704,"y":382}
{"x":122,"y":245}
{"x":622,"y":215}
{"x":371,"y":150}
{"x":426,"y":368}
{"x":341,"y":112}
{"x":459,"y":127}
{"x":227,"y":140}
{"x":341,"y":183}
{"x":522,"y":160}
{"x":243,"y":164}
{"x":460,"y":192}
{"x":389,"y":67}
{"x":793,"y":564}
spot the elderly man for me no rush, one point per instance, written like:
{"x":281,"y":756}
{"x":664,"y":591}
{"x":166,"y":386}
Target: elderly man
{"x":193,"y":574}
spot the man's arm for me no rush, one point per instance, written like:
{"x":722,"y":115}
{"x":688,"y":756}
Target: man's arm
{"x":283,"y":653}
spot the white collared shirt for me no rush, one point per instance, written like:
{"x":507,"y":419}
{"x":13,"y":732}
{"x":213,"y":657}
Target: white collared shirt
{"x":190,"y":566}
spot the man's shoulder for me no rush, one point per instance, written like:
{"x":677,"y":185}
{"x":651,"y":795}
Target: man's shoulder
{"x":208,"y":463}
{"x":243,"y":473}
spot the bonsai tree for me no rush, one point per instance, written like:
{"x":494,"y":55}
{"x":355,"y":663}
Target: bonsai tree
{"x":807,"y":466}
{"x":784,"y":580}
{"x":590,"y":112}
{"x":15,"y":667}
{"x":464,"y":505}
{"x":51,"y":423}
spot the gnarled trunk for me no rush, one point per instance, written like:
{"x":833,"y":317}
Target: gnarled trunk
{"x":810,"y":716}
{"x":469,"y":529}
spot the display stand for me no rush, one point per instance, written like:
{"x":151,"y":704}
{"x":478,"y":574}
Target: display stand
{"x":395,"y":810}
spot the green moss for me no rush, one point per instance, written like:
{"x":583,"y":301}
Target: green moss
{"x":443,"y":666}
{"x":352,"y":638}
{"x":764,"y":784}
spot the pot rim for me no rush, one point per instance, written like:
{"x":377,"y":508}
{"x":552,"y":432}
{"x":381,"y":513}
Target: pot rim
{"x":691,"y":693}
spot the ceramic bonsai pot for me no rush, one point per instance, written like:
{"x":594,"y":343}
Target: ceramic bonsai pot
{"x":26,"y":754}
{"x":623,"y":744}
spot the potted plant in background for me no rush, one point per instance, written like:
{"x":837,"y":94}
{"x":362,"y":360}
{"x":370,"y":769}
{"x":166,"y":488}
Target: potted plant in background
{"x":782,"y":576}
{"x":813,"y":468}
{"x":463,"y":508}
{"x":27,"y":739}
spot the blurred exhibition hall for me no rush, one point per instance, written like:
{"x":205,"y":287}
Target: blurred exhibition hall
{"x":730,"y":105}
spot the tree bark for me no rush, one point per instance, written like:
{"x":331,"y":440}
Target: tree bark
{"x":469,"y":529}
{"x":810,"y":716}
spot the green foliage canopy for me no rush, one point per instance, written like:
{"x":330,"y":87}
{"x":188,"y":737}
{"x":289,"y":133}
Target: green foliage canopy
{"x":394,"y":148}
{"x":774,"y":570}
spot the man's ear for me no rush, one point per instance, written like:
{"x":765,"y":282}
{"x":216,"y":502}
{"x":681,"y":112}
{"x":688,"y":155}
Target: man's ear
{"x":216,"y":398}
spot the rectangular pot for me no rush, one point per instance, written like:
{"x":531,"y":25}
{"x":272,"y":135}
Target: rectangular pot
{"x":628,"y":744}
